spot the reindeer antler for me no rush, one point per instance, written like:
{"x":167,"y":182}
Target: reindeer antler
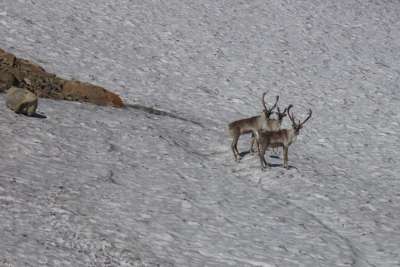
{"x":263,"y":100}
{"x":309,"y":116}
{"x":286,"y":110}
{"x":265,"y":105}
{"x":282,"y":114}
{"x":290,"y":114}
{"x":274,"y":106}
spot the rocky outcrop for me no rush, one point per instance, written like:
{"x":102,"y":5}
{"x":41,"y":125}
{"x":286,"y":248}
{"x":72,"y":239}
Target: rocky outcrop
{"x":25,"y":74}
{"x":21,"y":100}
{"x":75,"y":90}
{"x":7,"y":79}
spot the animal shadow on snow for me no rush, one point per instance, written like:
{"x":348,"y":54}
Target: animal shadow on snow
{"x":271,"y":165}
{"x":244,"y":153}
{"x":274,"y":165}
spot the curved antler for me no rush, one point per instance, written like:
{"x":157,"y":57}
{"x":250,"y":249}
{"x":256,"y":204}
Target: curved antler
{"x":286,"y":110}
{"x":290,"y":114}
{"x":282,"y":114}
{"x":263,"y":100}
{"x":265,"y":105}
{"x":274,"y":106}
{"x":309,"y":116}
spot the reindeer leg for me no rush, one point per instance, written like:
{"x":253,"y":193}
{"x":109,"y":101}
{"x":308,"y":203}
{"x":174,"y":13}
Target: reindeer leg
{"x":261,"y":153}
{"x":256,"y":140}
{"x":262,"y":160}
{"x":265,"y":162}
{"x":252,"y":143}
{"x":237,"y":150}
{"x":234,"y":148}
{"x":285,"y":157}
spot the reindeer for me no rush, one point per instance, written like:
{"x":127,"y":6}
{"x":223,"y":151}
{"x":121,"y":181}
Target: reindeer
{"x":281,"y":138}
{"x":274,"y":123}
{"x":251,"y":125}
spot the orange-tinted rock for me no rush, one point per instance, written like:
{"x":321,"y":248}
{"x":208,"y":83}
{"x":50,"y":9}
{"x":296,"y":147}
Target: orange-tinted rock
{"x":25,"y":74}
{"x":28,"y":67}
{"x":75,"y":90}
{"x":7,"y":79}
{"x":7,"y":58}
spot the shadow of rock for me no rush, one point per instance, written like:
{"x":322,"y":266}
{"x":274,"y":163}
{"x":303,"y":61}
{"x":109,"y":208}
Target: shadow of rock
{"x":38,"y":116}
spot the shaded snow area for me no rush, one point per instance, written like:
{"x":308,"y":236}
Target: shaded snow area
{"x":98,"y":186}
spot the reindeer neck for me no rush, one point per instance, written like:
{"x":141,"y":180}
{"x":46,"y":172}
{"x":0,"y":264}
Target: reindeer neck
{"x":262,"y":120}
{"x":292,"y":135}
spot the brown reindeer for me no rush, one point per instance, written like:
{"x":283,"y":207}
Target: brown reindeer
{"x":274,"y":123}
{"x":281,"y":138}
{"x":252,"y":125}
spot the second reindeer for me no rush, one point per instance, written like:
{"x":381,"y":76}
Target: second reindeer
{"x":281,"y":138}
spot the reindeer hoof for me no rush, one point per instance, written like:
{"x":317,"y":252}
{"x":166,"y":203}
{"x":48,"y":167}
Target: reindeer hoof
{"x":266,"y":167}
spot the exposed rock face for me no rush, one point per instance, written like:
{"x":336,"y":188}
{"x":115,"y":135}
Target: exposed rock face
{"x":75,"y":90}
{"x":7,"y":79}
{"x":24,"y":74}
{"x":21,"y":100}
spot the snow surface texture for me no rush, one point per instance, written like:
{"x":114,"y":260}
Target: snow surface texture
{"x":97,"y":186}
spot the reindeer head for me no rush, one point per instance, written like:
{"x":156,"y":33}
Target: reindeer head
{"x":267,"y":111}
{"x":297,"y":125}
{"x":283,"y":114}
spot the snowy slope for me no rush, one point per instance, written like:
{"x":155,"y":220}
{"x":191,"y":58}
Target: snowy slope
{"x":95,"y":186}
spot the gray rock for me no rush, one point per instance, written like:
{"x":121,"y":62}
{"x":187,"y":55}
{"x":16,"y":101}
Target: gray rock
{"x":21,"y":101}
